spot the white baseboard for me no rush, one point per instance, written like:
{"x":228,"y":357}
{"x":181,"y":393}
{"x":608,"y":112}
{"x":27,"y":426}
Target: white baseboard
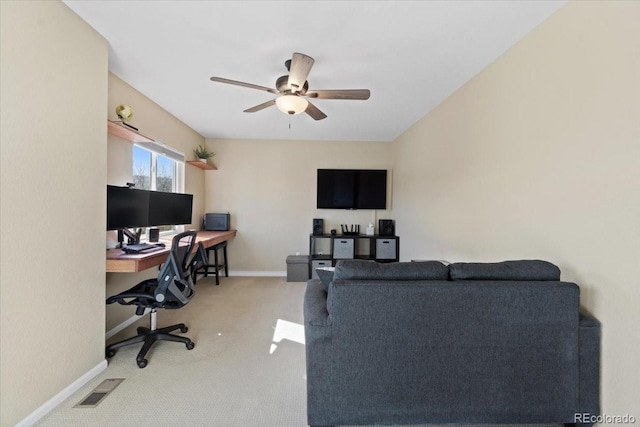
{"x":258,"y":273}
{"x":51,"y":404}
{"x":124,"y":324}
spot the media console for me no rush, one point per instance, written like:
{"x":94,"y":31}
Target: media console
{"x":326,"y":249}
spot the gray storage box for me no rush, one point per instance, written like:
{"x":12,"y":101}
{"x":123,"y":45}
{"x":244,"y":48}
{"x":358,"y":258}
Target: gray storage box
{"x":386,"y":249}
{"x":317,"y":263}
{"x":297,"y":268}
{"x":343,"y":248}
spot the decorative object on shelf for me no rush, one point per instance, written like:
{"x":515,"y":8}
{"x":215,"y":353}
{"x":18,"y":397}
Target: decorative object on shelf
{"x":369,"y":231}
{"x":125,"y":113}
{"x":203,"y":154}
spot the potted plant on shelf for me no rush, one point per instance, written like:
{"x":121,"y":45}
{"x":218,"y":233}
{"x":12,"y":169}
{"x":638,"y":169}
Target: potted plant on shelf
{"x":203,"y":154}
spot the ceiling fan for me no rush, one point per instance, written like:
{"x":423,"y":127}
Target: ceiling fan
{"x":293,"y":89}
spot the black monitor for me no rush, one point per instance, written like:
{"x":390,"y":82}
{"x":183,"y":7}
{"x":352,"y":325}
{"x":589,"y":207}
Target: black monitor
{"x":127,"y":208}
{"x":169,"y":208}
{"x":131,"y":208}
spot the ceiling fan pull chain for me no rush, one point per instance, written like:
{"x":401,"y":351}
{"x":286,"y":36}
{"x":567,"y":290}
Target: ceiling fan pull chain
{"x":289,"y":115}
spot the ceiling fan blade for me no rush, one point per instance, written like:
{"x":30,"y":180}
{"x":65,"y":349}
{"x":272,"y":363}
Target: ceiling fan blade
{"x":340,"y":94}
{"x":237,"y":83}
{"x":299,"y":70}
{"x":315,"y":114}
{"x":260,"y":107}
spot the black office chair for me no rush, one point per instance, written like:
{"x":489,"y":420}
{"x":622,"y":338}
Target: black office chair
{"x":172,"y":289}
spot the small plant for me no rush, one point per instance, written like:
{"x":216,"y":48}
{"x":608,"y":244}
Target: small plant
{"x":202,"y":153}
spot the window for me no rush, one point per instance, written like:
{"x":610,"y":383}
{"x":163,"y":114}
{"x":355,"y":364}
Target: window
{"x":158,"y":168}
{"x":155,"y":171}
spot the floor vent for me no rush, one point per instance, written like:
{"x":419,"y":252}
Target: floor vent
{"x":98,"y":394}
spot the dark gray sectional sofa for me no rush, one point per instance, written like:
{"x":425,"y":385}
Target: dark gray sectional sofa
{"x":426,"y":343}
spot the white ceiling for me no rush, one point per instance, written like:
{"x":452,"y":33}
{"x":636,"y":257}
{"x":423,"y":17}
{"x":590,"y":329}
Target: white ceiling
{"x":411,"y":55}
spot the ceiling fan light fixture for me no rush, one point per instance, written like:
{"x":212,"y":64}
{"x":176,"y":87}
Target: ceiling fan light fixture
{"x":291,"y":104}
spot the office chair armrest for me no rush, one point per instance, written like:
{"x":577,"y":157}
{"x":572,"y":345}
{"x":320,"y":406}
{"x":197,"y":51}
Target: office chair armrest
{"x":122,"y":298}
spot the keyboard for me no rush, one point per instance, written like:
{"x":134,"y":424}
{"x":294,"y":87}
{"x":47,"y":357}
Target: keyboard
{"x":139,"y":247}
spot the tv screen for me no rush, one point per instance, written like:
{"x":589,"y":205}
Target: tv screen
{"x":131,"y":208}
{"x":352,"y":189}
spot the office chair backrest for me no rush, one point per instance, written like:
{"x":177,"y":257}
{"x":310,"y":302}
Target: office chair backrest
{"x":175,"y":284}
{"x":182,"y":246}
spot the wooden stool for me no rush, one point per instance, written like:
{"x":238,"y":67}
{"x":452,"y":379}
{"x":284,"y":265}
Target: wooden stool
{"x":217,"y":264}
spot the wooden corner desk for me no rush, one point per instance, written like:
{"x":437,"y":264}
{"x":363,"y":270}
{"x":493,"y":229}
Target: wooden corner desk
{"x":120,"y":262}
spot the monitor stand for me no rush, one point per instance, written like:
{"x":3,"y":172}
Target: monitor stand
{"x":132,"y":238}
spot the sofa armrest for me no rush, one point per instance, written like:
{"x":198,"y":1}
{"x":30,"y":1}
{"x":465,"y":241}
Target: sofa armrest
{"x":315,"y":304}
{"x":319,"y":353}
{"x":589,"y":354}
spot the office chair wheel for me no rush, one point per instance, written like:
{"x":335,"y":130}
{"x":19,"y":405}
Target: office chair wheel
{"x":142,"y":363}
{"x":110,"y":353}
{"x":184,"y":329}
{"x":190,"y":345}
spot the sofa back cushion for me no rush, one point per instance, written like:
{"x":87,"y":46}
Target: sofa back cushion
{"x":494,"y":351}
{"x":355,"y":269}
{"x":536,"y":270}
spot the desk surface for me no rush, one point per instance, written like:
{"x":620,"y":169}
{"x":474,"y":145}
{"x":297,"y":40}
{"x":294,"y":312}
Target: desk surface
{"x":120,"y":262}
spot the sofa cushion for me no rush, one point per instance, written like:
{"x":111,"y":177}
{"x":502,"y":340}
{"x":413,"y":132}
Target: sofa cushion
{"x":507,"y":270}
{"x":325,"y":274}
{"x":354,"y":269}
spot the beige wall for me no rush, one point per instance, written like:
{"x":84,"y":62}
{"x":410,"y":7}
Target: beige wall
{"x":53,"y":176}
{"x":154,"y":122}
{"x":269,"y":187}
{"x":539,"y":157}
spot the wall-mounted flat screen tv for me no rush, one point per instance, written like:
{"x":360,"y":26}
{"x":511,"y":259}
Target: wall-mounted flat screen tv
{"x":131,"y":208}
{"x":352,"y":189}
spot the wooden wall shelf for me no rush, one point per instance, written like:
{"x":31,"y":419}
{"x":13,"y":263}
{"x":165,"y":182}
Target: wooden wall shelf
{"x":124,"y":132}
{"x":121,"y":131}
{"x":202,"y":165}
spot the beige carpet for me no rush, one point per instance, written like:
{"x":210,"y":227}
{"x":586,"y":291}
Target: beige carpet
{"x":235,"y":376}
{"x":247,"y":368}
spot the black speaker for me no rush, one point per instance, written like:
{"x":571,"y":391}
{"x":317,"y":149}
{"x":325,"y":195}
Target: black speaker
{"x":318,"y":226}
{"x":386,"y":227}
{"x":154,"y":234}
